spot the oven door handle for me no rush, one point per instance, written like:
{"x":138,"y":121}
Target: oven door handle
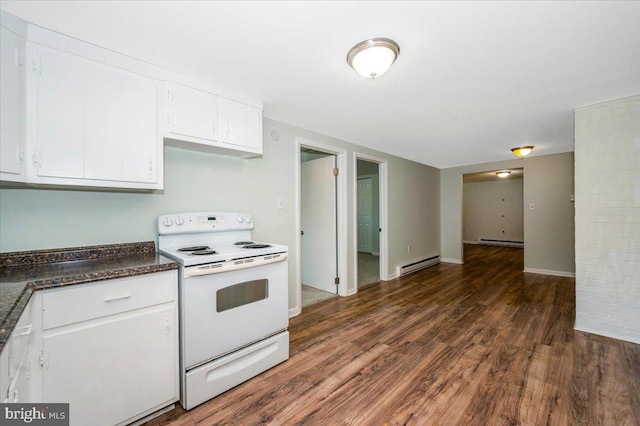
{"x":234,"y":265}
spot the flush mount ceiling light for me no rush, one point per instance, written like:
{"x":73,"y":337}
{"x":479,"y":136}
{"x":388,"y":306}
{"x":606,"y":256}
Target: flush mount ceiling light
{"x":522,"y":151}
{"x":372,"y":58}
{"x":503,"y":173}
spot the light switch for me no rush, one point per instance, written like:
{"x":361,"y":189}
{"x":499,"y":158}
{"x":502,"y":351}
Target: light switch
{"x":532,"y":206}
{"x":281,"y":203}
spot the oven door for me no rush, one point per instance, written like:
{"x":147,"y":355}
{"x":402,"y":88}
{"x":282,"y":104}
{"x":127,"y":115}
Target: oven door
{"x":225,"y":311}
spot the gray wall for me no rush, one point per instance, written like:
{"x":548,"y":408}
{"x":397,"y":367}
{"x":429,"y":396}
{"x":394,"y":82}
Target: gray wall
{"x":493,"y":210}
{"x":43,"y":218}
{"x":548,"y":230}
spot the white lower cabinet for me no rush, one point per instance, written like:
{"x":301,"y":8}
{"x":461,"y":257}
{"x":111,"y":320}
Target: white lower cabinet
{"x":19,"y":351}
{"x":110,"y":349}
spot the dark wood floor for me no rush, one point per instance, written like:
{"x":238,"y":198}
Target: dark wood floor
{"x":474,"y":344}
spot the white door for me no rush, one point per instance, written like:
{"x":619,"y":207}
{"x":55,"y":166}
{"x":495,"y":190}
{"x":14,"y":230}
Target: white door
{"x":365,"y":213}
{"x":193,"y":112}
{"x":59,"y":114}
{"x":234,"y":122}
{"x":12,"y":89}
{"x":318,"y":219}
{"x":112,"y":369}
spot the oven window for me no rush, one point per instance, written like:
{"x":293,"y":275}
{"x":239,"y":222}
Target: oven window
{"x":241,"y":294}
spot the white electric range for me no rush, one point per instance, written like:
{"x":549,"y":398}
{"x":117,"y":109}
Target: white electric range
{"x":233,"y":301}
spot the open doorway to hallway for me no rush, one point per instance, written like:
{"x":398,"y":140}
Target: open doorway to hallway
{"x":493,"y":210}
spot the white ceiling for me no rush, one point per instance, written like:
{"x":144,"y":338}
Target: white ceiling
{"x":473,"y":79}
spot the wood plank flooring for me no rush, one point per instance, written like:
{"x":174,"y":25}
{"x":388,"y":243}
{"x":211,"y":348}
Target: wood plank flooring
{"x":474,"y":344}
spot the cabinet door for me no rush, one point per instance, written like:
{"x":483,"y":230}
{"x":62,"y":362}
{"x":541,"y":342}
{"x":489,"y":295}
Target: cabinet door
{"x":191,"y":113}
{"x":234,"y":120}
{"x":59,"y":114}
{"x":113,"y":369}
{"x":12,"y":51}
{"x":254,"y":131}
{"x":119,"y":128}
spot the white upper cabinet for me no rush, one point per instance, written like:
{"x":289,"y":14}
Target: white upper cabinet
{"x":205,"y":120}
{"x":92,"y":123}
{"x":59,"y":147}
{"x":12,"y":150}
{"x":75,"y":114}
{"x":191,"y":114}
{"x":241,"y":125}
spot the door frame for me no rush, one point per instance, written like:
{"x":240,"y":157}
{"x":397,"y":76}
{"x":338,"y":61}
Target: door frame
{"x":341,"y":213}
{"x":383,"y":215}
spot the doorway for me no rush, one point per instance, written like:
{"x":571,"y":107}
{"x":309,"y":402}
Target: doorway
{"x":320,"y":189}
{"x":368,"y":241}
{"x":370,"y":218}
{"x":493,"y":210}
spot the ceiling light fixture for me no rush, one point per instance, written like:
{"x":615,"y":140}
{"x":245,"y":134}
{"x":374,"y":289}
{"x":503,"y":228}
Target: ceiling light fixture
{"x":373,"y":57}
{"x":503,"y":173}
{"x":522,"y":151}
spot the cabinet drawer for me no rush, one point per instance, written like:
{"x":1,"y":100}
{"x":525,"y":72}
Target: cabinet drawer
{"x":85,"y":302}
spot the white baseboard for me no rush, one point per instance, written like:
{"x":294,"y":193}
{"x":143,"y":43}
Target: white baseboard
{"x":607,"y":334}
{"x":447,"y":260}
{"x":549,"y":272}
{"x":352,"y":292}
{"x":392,"y":277}
{"x":470,"y":242}
{"x":294,"y":312}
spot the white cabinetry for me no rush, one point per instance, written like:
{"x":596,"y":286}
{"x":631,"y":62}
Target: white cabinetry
{"x":12,"y":82}
{"x":91,"y":124}
{"x":191,"y":114}
{"x":211,"y":122}
{"x":17,"y":357}
{"x":241,"y":125}
{"x":110,"y":348}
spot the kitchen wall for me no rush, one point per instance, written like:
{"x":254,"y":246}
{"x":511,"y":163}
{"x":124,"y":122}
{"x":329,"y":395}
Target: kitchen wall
{"x":548,"y":230}
{"x":493,"y":210}
{"x":43,"y":218}
{"x":607,"y":171}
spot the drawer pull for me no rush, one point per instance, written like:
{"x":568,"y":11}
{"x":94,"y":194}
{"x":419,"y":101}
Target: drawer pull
{"x":111,"y":299}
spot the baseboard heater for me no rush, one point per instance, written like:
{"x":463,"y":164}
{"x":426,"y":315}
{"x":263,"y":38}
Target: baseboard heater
{"x":503,"y":243}
{"x":415,"y":266}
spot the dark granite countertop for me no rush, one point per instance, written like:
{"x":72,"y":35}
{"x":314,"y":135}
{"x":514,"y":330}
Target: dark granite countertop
{"x":22,"y":273}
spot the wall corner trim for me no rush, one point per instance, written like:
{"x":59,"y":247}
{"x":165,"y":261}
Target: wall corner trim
{"x":549,"y":272}
{"x":294,"y":312}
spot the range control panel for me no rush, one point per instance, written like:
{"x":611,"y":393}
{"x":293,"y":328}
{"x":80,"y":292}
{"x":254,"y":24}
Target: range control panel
{"x":194,"y":222}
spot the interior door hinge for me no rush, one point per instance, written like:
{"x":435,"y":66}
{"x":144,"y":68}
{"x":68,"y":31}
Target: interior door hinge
{"x":337,"y":281}
{"x":336,"y":171}
{"x":169,"y":95}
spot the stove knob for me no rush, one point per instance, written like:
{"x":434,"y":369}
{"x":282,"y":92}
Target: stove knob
{"x":240,"y":219}
{"x":167,"y":222}
{"x":247,"y":219}
{"x":179,"y":221}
